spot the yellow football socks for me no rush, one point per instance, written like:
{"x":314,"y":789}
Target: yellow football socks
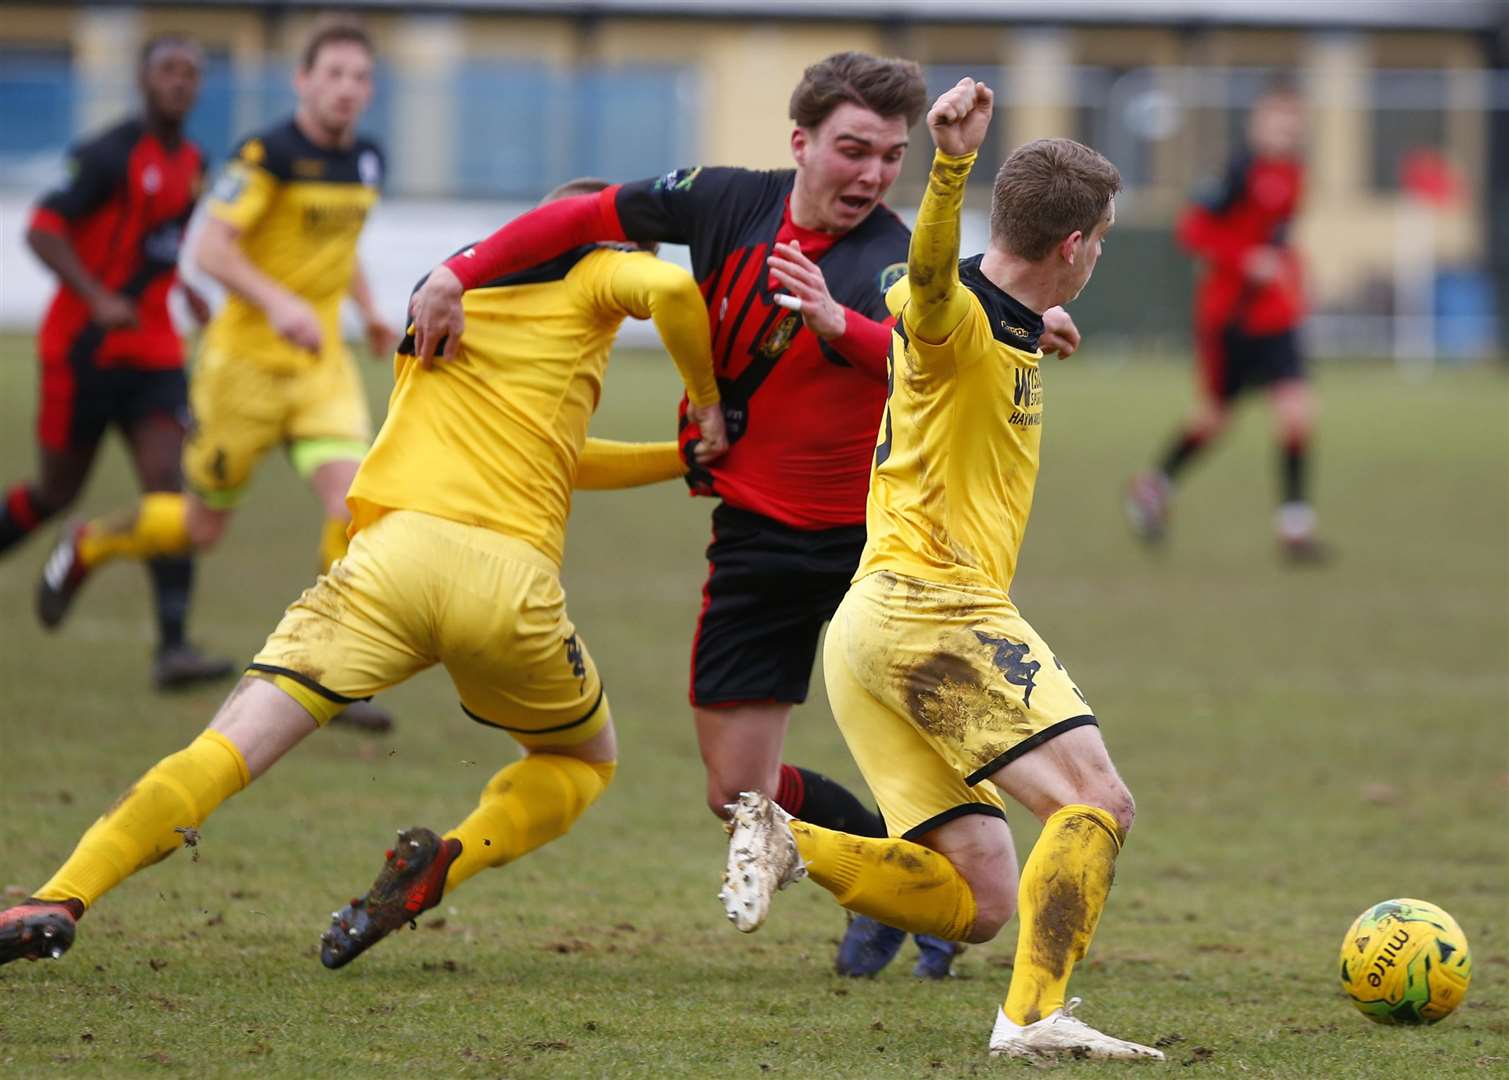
{"x":894,"y":881}
{"x":153,"y":819}
{"x":526,"y":805}
{"x":1063,"y":890}
{"x":333,"y":542}
{"x":158,"y":526}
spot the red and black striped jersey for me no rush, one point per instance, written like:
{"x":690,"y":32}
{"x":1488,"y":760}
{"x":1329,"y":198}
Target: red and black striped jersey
{"x":123,"y":208}
{"x":1252,"y":207}
{"x":801,"y":417}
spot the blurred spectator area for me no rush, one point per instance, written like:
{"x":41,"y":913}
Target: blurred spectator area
{"x":500,"y":101}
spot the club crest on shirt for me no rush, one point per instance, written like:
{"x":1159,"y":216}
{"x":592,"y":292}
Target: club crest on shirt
{"x":890,"y":275}
{"x":678,"y":179}
{"x":231,"y":184}
{"x":779,"y":339}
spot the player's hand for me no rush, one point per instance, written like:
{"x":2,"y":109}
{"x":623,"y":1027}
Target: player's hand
{"x":712,"y":442}
{"x":808,"y":291}
{"x":960,"y":117}
{"x":111,"y":311}
{"x":382,"y":338}
{"x":1060,"y":335}
{"x":296,"y":322}
{"x":435,"y":313}
{"x":1263,"y":264}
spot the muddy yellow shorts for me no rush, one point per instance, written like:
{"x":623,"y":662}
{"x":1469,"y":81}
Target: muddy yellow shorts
{"x":416,"y":590}
{"x":241,"y":410}
{"x":937,"y":687}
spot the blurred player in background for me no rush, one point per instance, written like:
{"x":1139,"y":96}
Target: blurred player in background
{"x":109,"y":350}
{"x":1248,"y":309}
{"x":802,"y":376}
{"x":942,"y":690}
{"x":281,"y":236}
{"x":459,"y":522}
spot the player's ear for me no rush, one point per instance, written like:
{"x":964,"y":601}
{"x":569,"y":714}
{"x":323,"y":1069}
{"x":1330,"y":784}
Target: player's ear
{"x":800,"y":140}
{"x":1069,"y":247}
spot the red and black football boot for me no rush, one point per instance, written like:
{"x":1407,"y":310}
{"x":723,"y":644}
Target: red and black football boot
{"x":37,"y":930}
{"x":63,"y":575}
{"x":410,"y":882}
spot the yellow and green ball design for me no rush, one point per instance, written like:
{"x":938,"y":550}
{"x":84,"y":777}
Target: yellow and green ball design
{"x":1405,"y":962}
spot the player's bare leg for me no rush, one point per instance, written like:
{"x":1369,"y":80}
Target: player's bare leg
{"x":741,"y":749}
{"x":157,"y":815}
{"x":527,"y":804}
{"x":330,"y":482}
{"x":60,"y":478}
{"x":1293,"y":406}
{"x":1150,"y":493}
{"x":1070,"y":784}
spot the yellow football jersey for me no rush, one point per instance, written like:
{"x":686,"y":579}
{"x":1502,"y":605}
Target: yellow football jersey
{"x":299,"y":209}
{"x":957,"y":453}
{"x":492,"y":438}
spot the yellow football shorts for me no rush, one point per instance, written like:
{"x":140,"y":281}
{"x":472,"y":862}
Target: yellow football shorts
{"x":241,"y":410}
{"x":935,"y":688}
{"x":416,"y":590}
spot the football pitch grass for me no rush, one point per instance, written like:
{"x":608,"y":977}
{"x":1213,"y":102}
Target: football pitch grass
{"x":1301,"y":743}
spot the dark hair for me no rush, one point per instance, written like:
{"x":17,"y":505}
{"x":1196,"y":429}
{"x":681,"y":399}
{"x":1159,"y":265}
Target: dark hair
{"x":167,"y":41}
{"x":1046,"y":190}
{"x":884,"y":85}
{"x":333,"y":30}
{"x":582,"y":185}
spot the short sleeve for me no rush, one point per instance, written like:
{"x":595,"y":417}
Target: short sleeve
{"x":96,"y":170}
{"x":677,"y":207}
{"x":245,"y":187}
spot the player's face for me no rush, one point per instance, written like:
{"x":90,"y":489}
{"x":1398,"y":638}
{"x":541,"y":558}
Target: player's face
{"x":337,"y":87}
{"x":1277,"y":127}
{"x":170,"y":82}
{"x":846,"y":164}
{"x":1090,"y":248}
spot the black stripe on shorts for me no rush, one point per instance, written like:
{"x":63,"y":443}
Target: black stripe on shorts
{"x":962,"y":810}
{"x":1031,"y":743}
{"x":539,"y":731}
{"x":308,"y":683}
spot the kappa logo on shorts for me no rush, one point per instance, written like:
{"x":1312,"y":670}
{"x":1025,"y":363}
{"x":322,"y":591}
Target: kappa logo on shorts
{"x":1010,"y":660}
{"x":575,"y":658}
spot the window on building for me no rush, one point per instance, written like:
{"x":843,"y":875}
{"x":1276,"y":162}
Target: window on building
{"x":1409,"y":116}
{"x":37,"y":87}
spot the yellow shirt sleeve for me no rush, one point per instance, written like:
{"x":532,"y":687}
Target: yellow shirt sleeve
{"x":647,"y":288}
{"x":938,"y":303}
{"x":606,"y":464}
{"x":244,"y":189}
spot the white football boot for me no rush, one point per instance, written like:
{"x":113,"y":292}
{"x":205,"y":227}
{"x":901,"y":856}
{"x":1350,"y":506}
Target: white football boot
{"x":1059,"y":1033}
{"x":762,"y":858}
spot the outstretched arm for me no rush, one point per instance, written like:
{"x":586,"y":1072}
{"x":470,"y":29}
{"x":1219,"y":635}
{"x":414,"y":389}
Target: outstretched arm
{"x":527,"y":240}
{"x":606,"y":464}
{"x":958,"y":121}
{"x":646,"y":288}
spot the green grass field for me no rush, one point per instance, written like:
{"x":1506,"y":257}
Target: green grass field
{"x":1301,"y":744}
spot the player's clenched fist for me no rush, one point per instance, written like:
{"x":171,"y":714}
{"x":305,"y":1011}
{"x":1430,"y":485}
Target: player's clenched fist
{"x":959,"y":118}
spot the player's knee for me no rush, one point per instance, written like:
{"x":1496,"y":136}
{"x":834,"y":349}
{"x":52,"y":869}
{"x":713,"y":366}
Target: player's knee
{"x":995,"y":904}
{"x":205,"y":526}
{"x":51,"y":498}
{"x":1114,"y":798}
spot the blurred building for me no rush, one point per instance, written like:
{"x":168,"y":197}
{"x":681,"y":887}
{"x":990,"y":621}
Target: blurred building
{"x":501,"y":100}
